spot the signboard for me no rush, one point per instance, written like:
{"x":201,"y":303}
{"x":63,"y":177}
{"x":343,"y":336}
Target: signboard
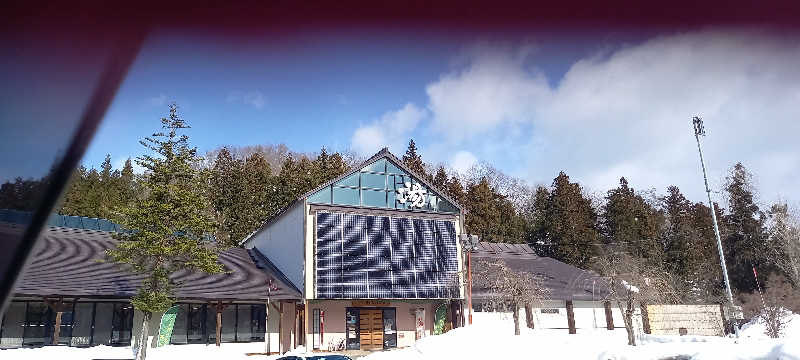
{"x":167,"y":324}
{"x":370,"y":303}
{"x":414,"y":194}
{"x":420,"y":322}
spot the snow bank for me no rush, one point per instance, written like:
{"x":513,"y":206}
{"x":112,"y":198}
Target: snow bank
{"x":478,"y":342}
{"x":756,"y":328}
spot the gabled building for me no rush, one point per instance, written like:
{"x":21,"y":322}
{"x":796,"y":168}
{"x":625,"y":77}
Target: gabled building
{"x":375,"y":255}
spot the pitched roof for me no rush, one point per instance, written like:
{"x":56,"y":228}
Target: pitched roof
{"x":69,"y":262}
{"x":565,"y":282}
{"x":383,"y":153}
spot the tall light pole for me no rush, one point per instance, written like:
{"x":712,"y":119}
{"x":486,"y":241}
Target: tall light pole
{"x":699,"y":130}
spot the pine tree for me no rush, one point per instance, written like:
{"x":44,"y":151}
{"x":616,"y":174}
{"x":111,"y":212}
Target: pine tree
{"x":455,"y":190}
{"x":708,"y":281}
{"x":482,"y":215}
{"x":568,"y":228}
{"x":228,"y":196}
{"x":440,"y":179}
{"x":413,"y":160}
{"x":746,"y":240}
{"x":168,"y":230}
{"x":629,"y":220}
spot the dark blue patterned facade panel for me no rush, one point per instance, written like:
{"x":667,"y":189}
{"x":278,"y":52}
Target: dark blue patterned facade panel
{"x":425,"y":250}
{"x":402,"y":253}
{"x":329,"y":291}
{"x":356,"y":247}
{"x":379,"y":263}
{"x":360,"y":256}
{"x":354,"y":285}
{"x":354,"y":221}
{"x":425,"y":264}
{"x":404,"y":285}
{"x":354,"y":263}
{"x":380,"y":284}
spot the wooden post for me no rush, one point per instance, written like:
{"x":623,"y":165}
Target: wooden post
{"x":571,"y":318}
{"x":58,"y":307}
{"x":469,"y":285}
{"x":219,"y":307}
{"x":609,"y":315}
{"x":280,"y":328}
{"x":266,"y":328}
{"x":645,"y":318}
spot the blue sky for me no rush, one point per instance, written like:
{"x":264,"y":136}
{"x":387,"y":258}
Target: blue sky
{"x":306,"y":90}
{"x":598,"y":104}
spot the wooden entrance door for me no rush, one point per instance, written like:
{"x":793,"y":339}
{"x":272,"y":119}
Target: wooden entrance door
{"x":371,"y":329}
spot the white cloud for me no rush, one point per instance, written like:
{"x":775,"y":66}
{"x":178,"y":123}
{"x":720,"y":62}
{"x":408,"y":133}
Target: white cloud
{"x":462,"y":161}
{"x":390,"y":130}
{"x":628,"y":112}
{"x":255,"y":99}
{"x":157,"y":100}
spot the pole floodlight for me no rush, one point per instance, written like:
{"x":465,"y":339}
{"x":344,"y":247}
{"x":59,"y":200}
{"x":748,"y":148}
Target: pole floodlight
{"x":699,"y":130}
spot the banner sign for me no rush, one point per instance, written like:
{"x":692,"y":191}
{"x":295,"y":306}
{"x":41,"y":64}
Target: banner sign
{"x":167,"y":324}
{"x":440,"y":319}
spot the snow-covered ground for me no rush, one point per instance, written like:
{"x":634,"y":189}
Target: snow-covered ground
{"x":492,"y":341}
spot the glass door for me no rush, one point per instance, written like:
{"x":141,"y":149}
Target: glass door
{"x":389,"y":328}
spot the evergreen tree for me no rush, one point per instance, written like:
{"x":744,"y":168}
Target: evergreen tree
{"x":440,"y":179}
{"x":413,"y":160}
{"x":708,"y":282}
{"x":567,"y":230}
{"x":228,"y":196}
{"x":455,"y":190}
{"x":482,"y":215}
{"x":168,"y":230}
{"x":630,"y":221}
{"x":746,"y":241}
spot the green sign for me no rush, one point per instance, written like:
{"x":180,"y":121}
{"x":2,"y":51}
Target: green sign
{"x":440,"y":319}
{"x":167,"y":323}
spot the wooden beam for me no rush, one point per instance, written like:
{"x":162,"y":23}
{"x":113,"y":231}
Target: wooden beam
{"x":280,"y":328}
{"x":219,"y":307}
{"x":609,"y":315}
{"x":571,"y":318}
{"x":58,"y":307}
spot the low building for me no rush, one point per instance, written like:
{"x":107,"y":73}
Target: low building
{"x":576,"y":301}
{"x":67,"y":283}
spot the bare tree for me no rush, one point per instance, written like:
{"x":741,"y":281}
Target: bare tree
{"x":774,"y":306}
{"x":631,"y":283}
{"x":784,"y":233}
{"x":506,"y":288}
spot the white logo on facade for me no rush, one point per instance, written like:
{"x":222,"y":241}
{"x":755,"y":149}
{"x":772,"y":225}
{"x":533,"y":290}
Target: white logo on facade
{"x":412,"y":194}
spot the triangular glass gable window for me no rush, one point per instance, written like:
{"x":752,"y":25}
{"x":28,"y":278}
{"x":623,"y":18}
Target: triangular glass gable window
{"x":383,"y":184}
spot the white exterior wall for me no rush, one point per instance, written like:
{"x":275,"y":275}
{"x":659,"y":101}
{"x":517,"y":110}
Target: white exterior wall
{"x":282,"y":242}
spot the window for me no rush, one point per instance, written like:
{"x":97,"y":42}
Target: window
{"x":351,"y":323}
{"x":195,"y":324}
{"x":321,"y":197}
{"x":345,"y":196}
{"x":362,"y":189}
{"x":389,"y":328}
{"x":373,"y":181}
{"x":315,"y":328}
{"x":549,"y":311}
{"x":121,"y":324}
{"x":374,"y":198}
{"x":37,"y":326}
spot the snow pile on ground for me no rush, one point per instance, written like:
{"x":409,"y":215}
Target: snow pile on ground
{"x":478,"y":342}
{"x":756,"y":328}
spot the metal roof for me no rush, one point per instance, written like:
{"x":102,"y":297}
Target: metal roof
{"x":565,"y":282}
{"x":70,"y":262}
